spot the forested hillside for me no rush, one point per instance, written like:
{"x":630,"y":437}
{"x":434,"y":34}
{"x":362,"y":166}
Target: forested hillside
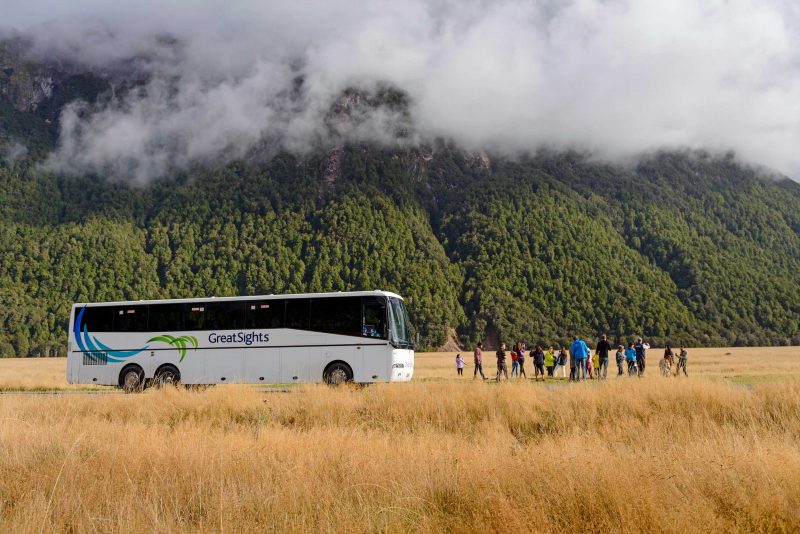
{"x":691,"y":249}
{"x":686,"y":247}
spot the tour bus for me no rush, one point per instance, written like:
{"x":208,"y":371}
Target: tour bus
{"x":360,"y":336}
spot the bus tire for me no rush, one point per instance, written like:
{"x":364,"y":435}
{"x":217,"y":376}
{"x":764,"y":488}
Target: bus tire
{"x":337,"y":373}
{"x":167,"y":375}
{"x":131,"y":379}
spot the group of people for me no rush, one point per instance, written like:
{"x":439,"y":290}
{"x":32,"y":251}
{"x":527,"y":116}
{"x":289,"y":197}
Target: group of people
{"x":582,"y":363}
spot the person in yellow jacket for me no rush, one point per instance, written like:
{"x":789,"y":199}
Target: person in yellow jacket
{"x":550,"y":361}
{"x":596,"y":363}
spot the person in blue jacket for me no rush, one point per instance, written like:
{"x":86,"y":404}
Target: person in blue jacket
{"x":580,"y":352}
{"x":630,"y":359}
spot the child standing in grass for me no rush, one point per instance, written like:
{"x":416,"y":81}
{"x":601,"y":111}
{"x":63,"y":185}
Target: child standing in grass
{"x":620,"y":359}
{"x":590,"y":367}
{"x":573,"y":368}
{"x":459,"y":365}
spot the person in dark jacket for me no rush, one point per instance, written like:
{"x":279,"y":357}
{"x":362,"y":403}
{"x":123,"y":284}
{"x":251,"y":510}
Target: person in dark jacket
{"x":561,"y":361}
{"x":640,"y":348}
{"x":602,"y":349}
{"x":573,"y":368}
{"x":683,"y":355}
{"x":501,"y":361}
{"x":538,"y":363}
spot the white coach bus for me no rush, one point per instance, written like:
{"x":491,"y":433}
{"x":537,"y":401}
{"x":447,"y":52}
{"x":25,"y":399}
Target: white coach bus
{"x":360,"y":336}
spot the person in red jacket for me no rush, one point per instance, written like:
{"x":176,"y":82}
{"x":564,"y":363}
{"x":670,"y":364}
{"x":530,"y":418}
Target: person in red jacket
{"x":514,"y":362}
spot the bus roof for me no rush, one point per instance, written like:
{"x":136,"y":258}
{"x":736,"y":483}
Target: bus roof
{"x":249,"y":297}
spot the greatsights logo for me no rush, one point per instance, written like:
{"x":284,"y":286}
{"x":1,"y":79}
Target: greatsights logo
{"x":248,"y":338}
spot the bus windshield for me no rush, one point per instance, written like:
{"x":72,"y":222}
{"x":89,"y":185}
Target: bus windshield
{"x":400,"y":329}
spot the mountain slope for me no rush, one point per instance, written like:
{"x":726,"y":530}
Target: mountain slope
{"x":684,"y":246}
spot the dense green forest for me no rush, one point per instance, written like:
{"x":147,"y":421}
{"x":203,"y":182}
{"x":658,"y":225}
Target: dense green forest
{"x":682,"y":247}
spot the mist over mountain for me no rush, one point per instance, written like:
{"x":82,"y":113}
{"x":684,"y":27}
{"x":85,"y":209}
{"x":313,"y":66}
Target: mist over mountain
{"x":208,"y":82}
{"x":516,"y":170}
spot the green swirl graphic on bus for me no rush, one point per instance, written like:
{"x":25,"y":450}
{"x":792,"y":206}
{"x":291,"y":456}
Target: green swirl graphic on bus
{"x":177,"y":342}
{"x":94,"y":348}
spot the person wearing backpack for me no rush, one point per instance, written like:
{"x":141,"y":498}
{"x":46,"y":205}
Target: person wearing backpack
{"x":630,"y":358}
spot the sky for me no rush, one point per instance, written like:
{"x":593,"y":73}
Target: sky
{"x":614,"y":79}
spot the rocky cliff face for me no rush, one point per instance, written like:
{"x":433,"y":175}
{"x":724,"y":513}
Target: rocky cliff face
{"x":23,"y":83}
{"x":33,"y":94}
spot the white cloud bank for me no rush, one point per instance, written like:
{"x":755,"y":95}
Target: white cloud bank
{"x":615,"y":78}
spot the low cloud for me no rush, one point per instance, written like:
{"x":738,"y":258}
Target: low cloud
{"x":611,"y":78}
{"x":13,"y":151}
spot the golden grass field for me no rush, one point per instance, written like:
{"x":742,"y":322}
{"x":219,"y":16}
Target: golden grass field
{"x":715,"y":452}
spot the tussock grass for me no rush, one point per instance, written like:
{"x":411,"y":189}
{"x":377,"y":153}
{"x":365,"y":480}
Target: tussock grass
{"x":648,"y":455}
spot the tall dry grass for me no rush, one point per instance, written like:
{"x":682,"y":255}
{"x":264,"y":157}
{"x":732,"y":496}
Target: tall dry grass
{"x":739,"y":364}
{"x":647,"y":455}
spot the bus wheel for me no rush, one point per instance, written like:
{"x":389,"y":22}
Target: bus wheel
{"x":337,"y":373}
{"x":167,"y":375}
{"x":131,"y":379}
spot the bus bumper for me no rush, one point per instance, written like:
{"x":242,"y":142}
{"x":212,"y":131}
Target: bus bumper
{"x":402,"y":365}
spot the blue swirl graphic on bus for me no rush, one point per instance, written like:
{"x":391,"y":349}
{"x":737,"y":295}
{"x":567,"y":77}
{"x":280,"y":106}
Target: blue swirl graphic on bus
{"x":94,"y":349}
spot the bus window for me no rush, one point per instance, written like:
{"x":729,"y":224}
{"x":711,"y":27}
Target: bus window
{"x":195,"y":316}
{"x":225,"y":315}
{"x":165,"y":317}
{"x":336,"y":315}
{"x":131,"y":318}
{"x":399,"y":324}
{"x":374,"y":323}
{"x":97,"y":318}
{"x":264,"y":313}
{"x":297,"y":314}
